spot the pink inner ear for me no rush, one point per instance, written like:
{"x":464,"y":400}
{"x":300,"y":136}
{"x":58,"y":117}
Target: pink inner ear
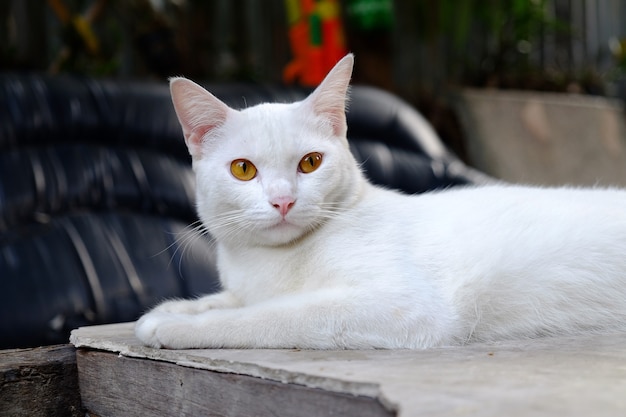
{"x":194,"y":139}
{"x":198,"y":111}
{"x":329,"y":99}
{"x":331,"y":106}
{"x":337,"y":119}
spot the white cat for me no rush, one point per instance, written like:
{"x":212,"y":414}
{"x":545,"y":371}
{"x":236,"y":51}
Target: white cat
{"x":313,"y":256}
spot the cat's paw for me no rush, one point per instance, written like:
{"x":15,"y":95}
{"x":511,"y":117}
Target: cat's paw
{"x":152,"y":327}
{"x":197,"y":306}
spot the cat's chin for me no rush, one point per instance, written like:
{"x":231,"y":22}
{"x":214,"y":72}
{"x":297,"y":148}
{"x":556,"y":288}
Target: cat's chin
{"x":282,"y":233}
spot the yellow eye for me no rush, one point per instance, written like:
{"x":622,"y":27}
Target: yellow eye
{"x":310,"y":162}
{"x":242,"y":169}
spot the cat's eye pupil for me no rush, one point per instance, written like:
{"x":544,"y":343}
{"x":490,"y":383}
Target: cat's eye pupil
{"x":242,"y":169}
{"x":310,"y":162}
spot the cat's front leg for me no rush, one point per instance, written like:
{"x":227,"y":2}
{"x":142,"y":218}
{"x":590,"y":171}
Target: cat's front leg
{"x":323,"y":319}
{"x":221,"y":300}
{"x":173,"y":313}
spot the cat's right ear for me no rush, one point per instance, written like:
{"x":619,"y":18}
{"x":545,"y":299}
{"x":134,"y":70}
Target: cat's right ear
{"x":199,"y":112}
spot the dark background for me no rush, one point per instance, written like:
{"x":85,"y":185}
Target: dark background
{"x":420,"y":50}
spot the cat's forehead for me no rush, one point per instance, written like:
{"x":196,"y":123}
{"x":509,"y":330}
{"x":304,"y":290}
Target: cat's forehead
{"x":270,"y":127}
{"x":270,"y":112}
{"x":270,"y":133}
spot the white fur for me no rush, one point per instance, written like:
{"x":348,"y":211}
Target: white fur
{"x":355,"y":266}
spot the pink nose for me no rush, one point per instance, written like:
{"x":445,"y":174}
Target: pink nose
{"x":283,"y":204}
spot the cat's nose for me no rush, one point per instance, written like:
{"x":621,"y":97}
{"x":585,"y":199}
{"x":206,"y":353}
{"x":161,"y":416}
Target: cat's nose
{"x":283,"y":204}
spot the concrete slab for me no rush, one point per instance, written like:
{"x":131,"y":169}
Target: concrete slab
{"x":545,"y":138}
{"x":573,"y":376}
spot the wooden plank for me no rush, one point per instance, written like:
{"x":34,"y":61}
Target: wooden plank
{"x":114,"y":385}
{"x":39,"y":382}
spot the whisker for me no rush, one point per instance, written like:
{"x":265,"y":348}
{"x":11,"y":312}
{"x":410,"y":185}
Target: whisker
{"x":192,"y":228}
{"x":237,"y":225}
{"x":230,"y":225}
{"x":190,"y":236}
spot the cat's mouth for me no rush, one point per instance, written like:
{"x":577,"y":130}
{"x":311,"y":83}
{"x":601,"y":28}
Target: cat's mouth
{"x":283,"y":232}
{"x":285,"y":226}
{"x":282,"y":223}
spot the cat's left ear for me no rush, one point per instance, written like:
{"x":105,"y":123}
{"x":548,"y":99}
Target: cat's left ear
{"x":330,"y":98}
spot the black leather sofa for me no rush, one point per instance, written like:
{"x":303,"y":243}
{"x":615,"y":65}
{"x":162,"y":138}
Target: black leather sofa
{"x":97,"y":194}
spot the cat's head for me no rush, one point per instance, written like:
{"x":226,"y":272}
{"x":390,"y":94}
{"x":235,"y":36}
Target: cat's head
{"x":271,"y":173}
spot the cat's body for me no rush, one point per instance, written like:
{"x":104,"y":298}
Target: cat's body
{"x":313,"y":256}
